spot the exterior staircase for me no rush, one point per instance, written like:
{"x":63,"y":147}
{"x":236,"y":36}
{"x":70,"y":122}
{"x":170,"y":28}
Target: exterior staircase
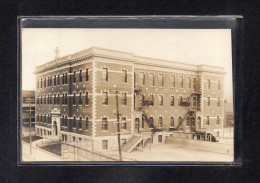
{"x":132,"y":143}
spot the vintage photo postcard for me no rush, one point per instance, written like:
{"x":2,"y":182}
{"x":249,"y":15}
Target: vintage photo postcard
{"x":130,"y":95}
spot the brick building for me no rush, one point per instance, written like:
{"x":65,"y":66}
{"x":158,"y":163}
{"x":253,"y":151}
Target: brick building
{"x":76,"y":98}
{"x":26,"y":113}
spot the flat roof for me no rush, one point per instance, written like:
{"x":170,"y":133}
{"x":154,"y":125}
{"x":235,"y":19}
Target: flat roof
{"x":130,"y":57}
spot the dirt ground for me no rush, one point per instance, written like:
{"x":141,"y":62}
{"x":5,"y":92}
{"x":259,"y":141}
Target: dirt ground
{"x":171,"y":152}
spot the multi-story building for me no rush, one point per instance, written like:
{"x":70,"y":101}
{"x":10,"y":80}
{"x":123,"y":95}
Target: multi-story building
{"x":28,"y":101}
{"x":76,"y":98}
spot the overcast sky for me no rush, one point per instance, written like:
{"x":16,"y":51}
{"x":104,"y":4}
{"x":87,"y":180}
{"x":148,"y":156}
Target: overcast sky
{"x":195,"y":46}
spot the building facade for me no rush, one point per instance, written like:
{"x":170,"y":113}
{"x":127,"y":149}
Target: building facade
{"x":28,"y":101}
{"x":76,"y":98}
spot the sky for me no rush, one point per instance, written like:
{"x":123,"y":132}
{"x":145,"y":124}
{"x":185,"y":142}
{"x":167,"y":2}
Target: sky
{"x":194,"y":46}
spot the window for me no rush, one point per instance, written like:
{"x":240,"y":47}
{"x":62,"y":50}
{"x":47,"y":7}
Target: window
{"x":41,"y":118}
{"x":54,"y":81}
{"x":180,"y":100}
{"x":160,"y":122}
{"x":74,"y":138}
{"x":124,"y":99}
{"x":218,"y":101}
{"x":66,"y":98}
{"x":137,"y":121}
{"x":38,"y":100}
{"x":151,"y":122}
{"x":41,"y":83}
{"x":172,"y":81}
{"x":74,"y":99}
{"x":160,"y":79}
{"x":151,"y":100}
{"x":50,"y":99}
{"x":80,"y":98}
{"x":104,"y":144}
{"x":104,"y":74}
{"x":218,"y":121}
{"x":75,"y":77}
{"x":207,"y":120}
{"x":87,"y":99}
{"x":80,"y":123}
{"x":80,"y":76}
{"x":104,"y":98}
{"x":194,"y":83}
{"x":172,"y":121}
{"x":41,"y":99}
{"x":58,"y":80}
{"x":181,"y":81}
{"x":123,"y":126}
{"x":188,"y":121}
{"x":104,"y":124}
{"x":208,"y":83}
{"x":50,"y":80}
{"x":142,"y":78}
{"x":54,"y":99}
{"x":44,"y":82}
{"x":124,"y":76}
{"x":44,"y":119}
{"x":63,"y":98}
{"x":219,"y":85}
{"x":74,"y":122}
{"x":87,"y":75}
{"x":151,"y":79}
{"x":160,"y":100}
{"x":62,"y":121}
{"x":58,"y":99}
{"x":189,"y":82}
{"x":63,"y":78}
{"x":87,"y":124}
{"x":66,"y":78}
{"x":44,"y":99}
{"x":172,"y":100}
{"x":208,"y":101}
{"x":37,"y":118}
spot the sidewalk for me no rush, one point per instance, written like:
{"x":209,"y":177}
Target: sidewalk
{"x":37,"y":154}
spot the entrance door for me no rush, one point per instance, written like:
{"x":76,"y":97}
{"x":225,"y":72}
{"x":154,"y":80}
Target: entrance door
{"x":159,"y":138}
{"x":180,"y":120}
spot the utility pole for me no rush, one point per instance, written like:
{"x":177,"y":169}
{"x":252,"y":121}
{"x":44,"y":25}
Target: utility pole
{"x":118,"y":128}
{"x":30,"y":126}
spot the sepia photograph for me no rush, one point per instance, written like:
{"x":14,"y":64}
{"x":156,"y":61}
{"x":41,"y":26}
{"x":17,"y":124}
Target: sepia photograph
{"x":126,"y":95}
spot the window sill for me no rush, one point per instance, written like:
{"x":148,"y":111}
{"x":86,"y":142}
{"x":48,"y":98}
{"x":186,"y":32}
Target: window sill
{"x":105,"y":131}
{"x":87,"y":105}
{"x":86,"y":130}
{"x":104,"y":105}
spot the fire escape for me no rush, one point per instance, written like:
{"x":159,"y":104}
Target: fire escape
{"x":192,"y":104}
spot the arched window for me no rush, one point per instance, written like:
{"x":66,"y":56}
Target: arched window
{"x":104,"y":124}
{"x":80,"y":98}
